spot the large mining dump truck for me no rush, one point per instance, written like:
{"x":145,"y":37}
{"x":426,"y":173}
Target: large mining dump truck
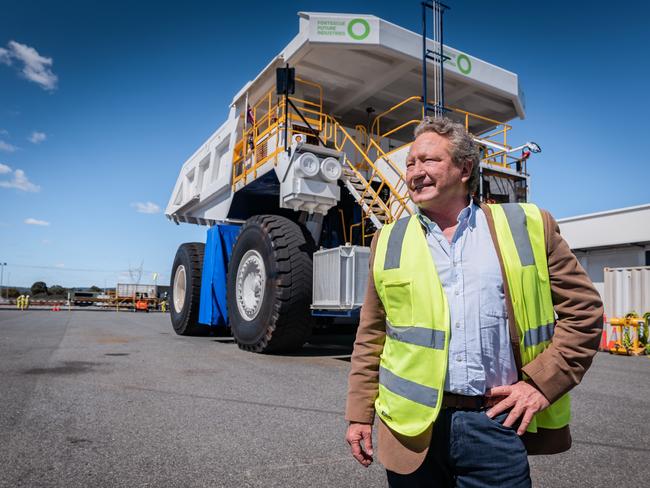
{"x":310,"y":163}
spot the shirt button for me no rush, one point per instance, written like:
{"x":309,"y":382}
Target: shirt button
{"x":458,"y":325}
{"x":457,"y":292}
{"x":459,"y":358}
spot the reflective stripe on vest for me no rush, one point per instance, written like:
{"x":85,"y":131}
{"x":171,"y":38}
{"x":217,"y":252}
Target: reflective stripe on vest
{"x":520,"y":235}
{"x":420,"y":336}
{"x":414,"y":360}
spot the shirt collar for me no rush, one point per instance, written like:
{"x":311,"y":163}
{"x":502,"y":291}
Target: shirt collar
{"x":466,"y":215}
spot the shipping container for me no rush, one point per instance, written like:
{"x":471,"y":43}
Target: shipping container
{"x":129,"y":289}
{"x":627,"y":290}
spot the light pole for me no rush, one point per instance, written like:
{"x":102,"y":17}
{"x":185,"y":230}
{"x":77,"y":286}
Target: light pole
{"x":2,"y":273}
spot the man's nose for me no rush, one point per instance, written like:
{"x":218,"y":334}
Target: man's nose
{"x":418,"y":169}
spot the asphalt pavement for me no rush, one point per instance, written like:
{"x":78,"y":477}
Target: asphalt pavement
{"x":98,"y":398}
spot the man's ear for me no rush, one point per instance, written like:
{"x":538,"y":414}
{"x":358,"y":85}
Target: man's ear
{"x":466,"y":171}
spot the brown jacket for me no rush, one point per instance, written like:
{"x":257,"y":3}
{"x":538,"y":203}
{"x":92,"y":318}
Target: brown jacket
{"x":555,"y":371}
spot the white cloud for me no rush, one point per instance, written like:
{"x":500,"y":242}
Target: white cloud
{"x":59,"y":265}
{"x":37,"y":137}
{"x":6,"y":147}
{"x":4,"y":132}
{"x":35,"y":67}
{"x":4,"y":169}
{"x":31,"y":221}
{"x":146,"y":207}
{"x":20,"y":182}
{"x":5,"y":57}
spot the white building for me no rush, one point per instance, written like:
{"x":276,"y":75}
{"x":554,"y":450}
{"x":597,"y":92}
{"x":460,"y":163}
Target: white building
{"x":611,"y":239}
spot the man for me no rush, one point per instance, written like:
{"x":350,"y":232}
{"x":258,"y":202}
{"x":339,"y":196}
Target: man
{"x":477,"y":322}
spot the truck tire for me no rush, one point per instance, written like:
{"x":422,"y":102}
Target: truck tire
{"x":270,"y":285}
{"x":185,"y":289}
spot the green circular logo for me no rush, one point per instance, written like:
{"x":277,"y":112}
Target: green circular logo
{"x":464,"y":64}
{"x":358,"y":29}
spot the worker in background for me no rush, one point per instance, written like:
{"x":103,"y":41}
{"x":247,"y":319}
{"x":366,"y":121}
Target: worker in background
{"x":465,"y":377}
{"x":19,"y":302}
{"x":163,"y":306}
{"x":26,"y":302}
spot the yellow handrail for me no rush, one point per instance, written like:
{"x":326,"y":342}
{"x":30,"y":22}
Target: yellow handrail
{"x":250,"y":151}
{"x":368,"y":191}
{"x":358,"y":224}
{"x":498,"y":134}
{"x":392,"y":109}
{"x":381,"y":154}
{"x":266,"y":125}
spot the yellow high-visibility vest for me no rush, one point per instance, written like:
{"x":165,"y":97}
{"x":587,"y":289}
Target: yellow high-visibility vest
{"x":413,"y":363}
{"x":520,"y":235}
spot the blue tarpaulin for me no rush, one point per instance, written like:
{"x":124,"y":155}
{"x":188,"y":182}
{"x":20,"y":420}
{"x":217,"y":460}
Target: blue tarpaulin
{"x":218,"y":248}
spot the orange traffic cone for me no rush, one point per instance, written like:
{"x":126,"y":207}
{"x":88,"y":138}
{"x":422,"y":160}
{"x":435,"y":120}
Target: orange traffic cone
{"x":613,"y":339}
{"x":603,"y":337}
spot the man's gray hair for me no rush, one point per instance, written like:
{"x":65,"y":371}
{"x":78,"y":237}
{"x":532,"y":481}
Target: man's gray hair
{"x":463,"y":147}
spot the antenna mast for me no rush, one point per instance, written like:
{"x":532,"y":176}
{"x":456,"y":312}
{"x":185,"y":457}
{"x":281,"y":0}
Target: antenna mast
{"x":437,"y":105}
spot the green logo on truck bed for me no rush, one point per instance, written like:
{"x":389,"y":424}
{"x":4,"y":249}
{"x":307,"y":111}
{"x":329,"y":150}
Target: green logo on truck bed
{"x":342,"y":29}
{"x":464,"y":64}
{"x":358,"y":29}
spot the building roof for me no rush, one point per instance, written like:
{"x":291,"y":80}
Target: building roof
{"x":621,"y":226}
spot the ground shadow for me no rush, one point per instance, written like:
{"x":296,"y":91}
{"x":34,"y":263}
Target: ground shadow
{"x":335,"y":341}
{"x":329,"y":341}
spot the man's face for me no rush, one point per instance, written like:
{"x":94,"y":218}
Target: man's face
{"x":432,"y":177}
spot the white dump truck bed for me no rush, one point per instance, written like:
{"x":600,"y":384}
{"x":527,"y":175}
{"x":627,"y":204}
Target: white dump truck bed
{"x":366,"y":74}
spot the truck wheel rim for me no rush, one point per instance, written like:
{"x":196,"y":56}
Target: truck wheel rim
{"x":180,"y":286}
{"x":251,"y":281}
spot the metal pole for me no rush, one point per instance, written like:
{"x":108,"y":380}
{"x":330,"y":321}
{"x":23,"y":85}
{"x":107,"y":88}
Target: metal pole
{"x":244,"y":136}
{"x":2,"y":273}
{"x":437,"y":57}
{"x":435,"y":10}
{"x":305,"y":121}
{"x":442,"y":60}
{"x":286,"y":109}
{"x":424,"y":59}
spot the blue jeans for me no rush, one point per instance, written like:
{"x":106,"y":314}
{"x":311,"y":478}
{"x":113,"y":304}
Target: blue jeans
{"x":468,"y":449}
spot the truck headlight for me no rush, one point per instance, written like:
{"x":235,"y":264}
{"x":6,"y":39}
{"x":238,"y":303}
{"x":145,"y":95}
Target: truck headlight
{"x":330,"y":169}
{"x":307,"y":165}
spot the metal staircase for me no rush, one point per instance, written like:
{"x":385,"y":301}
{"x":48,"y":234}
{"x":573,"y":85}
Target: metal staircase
{"x":368,"y":190}
{"x":369,"y":200}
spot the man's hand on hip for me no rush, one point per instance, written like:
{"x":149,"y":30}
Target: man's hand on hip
{"x":356,"y":434}
{"x":522,"y":398}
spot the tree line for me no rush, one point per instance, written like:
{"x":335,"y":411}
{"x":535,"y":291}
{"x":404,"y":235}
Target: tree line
{"x":40,"y":290}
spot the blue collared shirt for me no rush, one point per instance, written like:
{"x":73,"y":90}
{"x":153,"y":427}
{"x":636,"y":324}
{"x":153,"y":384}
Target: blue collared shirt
{"x":480,"y":354}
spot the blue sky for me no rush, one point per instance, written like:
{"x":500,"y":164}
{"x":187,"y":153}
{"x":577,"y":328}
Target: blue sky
{"x":118,"y":94}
